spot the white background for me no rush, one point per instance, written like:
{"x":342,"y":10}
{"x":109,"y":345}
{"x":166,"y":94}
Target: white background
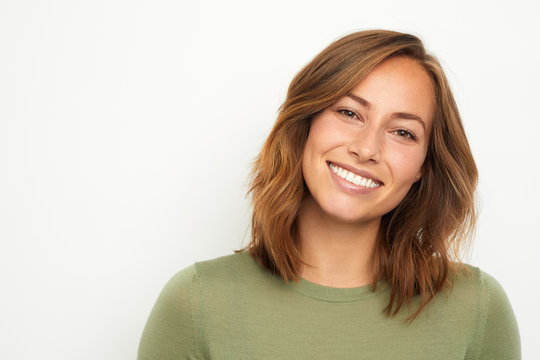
{"x":127,"y":129}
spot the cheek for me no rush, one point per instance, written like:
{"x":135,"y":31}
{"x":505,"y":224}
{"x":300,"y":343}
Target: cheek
{"x":327,"y":131}
{"x":309,"y":156}
{"x":321,"y":138}
{"x":406,"y":165}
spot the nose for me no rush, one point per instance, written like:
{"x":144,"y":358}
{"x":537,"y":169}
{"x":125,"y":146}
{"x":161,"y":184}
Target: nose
{"x":364,"y":145}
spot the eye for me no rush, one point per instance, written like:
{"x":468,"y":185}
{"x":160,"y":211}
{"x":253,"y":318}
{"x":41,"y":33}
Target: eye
{"x":406,"y":134}
{"x":348,"y":113}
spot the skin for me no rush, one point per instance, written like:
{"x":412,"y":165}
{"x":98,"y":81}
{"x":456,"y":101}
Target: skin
{"x":372,"y":131}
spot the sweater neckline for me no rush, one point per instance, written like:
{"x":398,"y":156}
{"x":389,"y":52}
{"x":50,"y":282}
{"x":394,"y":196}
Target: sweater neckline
{"x":333,"y":294}
{"x":325,"y":293}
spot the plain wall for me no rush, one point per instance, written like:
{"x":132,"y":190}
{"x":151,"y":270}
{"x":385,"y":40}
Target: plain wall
{"x":127,"y":130}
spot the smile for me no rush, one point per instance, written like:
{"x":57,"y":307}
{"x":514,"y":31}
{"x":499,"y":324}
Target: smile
{"x":353,"y":178}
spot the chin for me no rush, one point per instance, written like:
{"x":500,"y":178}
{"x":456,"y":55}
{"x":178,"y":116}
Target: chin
{"x":347,"y":216}
{"x":357,"y":220}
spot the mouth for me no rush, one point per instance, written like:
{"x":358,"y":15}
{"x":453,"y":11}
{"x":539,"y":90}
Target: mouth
{"x":354,"y":178}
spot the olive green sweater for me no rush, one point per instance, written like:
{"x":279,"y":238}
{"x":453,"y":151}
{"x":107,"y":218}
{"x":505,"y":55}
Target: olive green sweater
{"x":232,"y":308}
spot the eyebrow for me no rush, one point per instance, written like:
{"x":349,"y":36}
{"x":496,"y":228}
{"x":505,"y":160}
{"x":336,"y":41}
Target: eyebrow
{"x":360,"y":100}
{"x":396,"y":115}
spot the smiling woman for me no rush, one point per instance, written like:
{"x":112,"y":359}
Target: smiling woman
{"x":363,"y":141}
{"x":363,"y":195}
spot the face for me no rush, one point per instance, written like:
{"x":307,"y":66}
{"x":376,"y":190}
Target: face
{"x":364,"y":152}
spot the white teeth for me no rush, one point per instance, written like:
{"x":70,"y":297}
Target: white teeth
{"x":353,"y":178}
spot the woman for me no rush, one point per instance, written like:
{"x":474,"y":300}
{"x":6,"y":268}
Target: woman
{"x":363,"y":196}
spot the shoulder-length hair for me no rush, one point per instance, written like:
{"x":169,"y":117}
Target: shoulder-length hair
{"x":419,"y":239}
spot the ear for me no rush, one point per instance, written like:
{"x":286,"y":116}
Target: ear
{"x":420,"y":172}
{"x":419,"y":175}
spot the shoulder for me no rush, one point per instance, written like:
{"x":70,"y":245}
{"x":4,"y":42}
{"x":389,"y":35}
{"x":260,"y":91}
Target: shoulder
{"x":477,"y":291}
{"x":483,"y":298}
{"x":170,"y":328}
{"x":233,"y":274}
{"x":175,"y":324}
{"x":228,"y":267}
{"x":471,"y":281}
{"x":180,"y":282}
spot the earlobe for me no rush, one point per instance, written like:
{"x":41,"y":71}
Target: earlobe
{"x":420,"y":172}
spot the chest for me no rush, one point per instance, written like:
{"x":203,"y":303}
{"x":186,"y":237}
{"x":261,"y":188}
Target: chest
{"x":267,"y":329}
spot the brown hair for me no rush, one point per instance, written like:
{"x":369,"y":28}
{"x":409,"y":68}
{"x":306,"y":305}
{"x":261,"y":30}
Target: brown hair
{"x":418,"y":239}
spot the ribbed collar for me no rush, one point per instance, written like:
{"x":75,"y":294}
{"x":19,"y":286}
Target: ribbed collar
{"x":327,"y":293}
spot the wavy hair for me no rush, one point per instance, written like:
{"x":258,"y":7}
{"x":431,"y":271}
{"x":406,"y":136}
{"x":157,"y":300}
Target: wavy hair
{"x":419,"y":239}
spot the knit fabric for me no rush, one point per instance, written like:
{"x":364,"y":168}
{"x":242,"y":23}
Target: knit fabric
{"x":232,"y":308}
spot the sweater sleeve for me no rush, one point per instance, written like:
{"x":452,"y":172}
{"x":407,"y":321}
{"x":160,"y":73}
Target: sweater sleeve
{"x":501,"y":335}
{"x":170,"y":332}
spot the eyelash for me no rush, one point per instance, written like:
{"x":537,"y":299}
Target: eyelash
{"x":347,"y":113}
{"x":406,"y":133}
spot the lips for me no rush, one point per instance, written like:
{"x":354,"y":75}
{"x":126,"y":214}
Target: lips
{"x":355,"y":176}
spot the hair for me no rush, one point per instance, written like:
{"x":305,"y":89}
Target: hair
{"x":420,"y":240}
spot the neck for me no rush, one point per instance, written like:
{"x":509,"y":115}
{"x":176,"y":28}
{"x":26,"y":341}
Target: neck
{"x":337,"y":253}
